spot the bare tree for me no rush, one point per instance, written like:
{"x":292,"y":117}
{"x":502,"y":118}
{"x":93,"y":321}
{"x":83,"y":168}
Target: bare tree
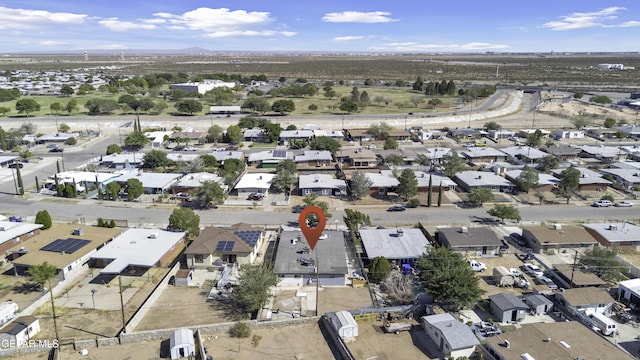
{"x":398,"y":288}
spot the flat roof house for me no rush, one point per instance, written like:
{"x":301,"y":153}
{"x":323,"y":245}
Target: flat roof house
{"x":268,"y":158}
{"x":469,"y":180}
{"x":216,"y":246}
{"x":122,"y":161}
{"x":546,"y":182}
{"x":313,"y":158}
{"x":357,"y":158}
{"x":321,"y":185}
{"x":437,"y":180}
{"x":402,"y":245}
{"x":223,"y":155}
{"x":56,"y":138}
{"x":606,"y":154}
{"x":557,"y":238}
{"x":254,"y":183}
{"x":628,"y":178}
{"x":193,"y":181}
{"x":295,"y":261}
{"x":629,"y":292}
{"x":286,"y":135}
{"x":14,"y":233}
{"x":452,"y":337}
{"x":483,"y":155}
{"x":563,"y":152}
{"x":470,"y":241}
{"x":589,"y":179}
{"x":153,"y":183}
{"x":559,"y":341}
{"x":524,"y":154}
{"x":67,"y":247}
{"x":137,"y":250}
{"x":619,"y":235}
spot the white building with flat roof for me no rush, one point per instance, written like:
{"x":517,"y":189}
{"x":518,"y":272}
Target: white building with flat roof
{"x":202,"y":87}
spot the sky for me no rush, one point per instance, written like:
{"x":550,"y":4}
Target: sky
{"x":407,"y":26}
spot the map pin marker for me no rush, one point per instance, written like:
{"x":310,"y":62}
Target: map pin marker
{"x":312,"y":234}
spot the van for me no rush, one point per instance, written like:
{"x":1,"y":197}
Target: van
{"x":604,"y":324}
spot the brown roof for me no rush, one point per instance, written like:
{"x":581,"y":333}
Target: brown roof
{"x":210,"y":236}
{"x":187,"y":134}
{"x":542,"y":341}
{"x":97,"y":236}
{"x":18,"y":324}
{"x":182,"y":273}
{"x":586,"y":296}
{"x":565,"y":235}
{"x":365,"y":132}
{"x":357,"y":154}
{"x":580,"y":277}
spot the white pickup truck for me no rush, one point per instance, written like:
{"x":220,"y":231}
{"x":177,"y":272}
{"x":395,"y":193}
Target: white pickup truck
{"x":477,"y":265}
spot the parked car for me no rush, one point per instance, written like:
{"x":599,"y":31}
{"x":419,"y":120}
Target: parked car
{"x":518,"y":239}
{"x":16,"y":165}
{"x":548,"y":282}
{"x":255,"y":196}
{"x":219,"y":149}
{"x":49,"y":146}
{"x":468,"y":145}
{"x":232,"y":148}
{"x":515,"y":272}
{"x":190,"y":148}
{"x":602,"y":203}
{"x":477,"y":265}
{"x":397,"y":208}
{"x":532,"y":270}
{"x":480,"y":144}
{"x":180,"y":196}
{"x":297,"y":209}
{"x":56,"y":149}
{"x":624,"y":203}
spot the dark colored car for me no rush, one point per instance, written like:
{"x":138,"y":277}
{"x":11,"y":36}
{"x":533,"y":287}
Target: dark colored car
{"x":298,"y":209}
{"x":56,"y":149}
{"x":255,"y":196}
{"x":232,"y":148}
{"x":397,"y":208}
{"x":16,"y":165}
{"x":517,"y":238}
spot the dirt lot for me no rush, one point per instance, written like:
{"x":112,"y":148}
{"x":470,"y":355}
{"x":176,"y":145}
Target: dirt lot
{"x":508,"y":261}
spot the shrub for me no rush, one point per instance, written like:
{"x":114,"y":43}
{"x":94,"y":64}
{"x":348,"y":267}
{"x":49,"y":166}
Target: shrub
{"x":608,"y":197}
{"x":413,"y":203}
{"x":43,"y":218}
{"x":71,"y":141}
{"x":241,"y":329}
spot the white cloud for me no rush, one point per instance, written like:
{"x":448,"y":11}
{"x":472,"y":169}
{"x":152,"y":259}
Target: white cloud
{"x":33,"y":19}
{"x":580,"y":20}
{"x":217,"y":20}
{"x":630,"y":24}
{"x":414,"y":46}
{"x":111,"y":47}
{"x":219,"y":34}
{"x":358,"y":17}
{"x":348,"y":38}
{"x":116,"y":24}
{"x":53,"y":43}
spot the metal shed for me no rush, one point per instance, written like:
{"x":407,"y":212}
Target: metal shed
{"x":345,"y":324}
{"x":181,"y":344}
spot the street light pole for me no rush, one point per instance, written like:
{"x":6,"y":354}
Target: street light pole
{"x":93,"y":300}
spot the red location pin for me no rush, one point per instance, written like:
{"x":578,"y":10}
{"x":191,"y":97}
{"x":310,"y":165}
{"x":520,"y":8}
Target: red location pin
{"x":312,"y":234}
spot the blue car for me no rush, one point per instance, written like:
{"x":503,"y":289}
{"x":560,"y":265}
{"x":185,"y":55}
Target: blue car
{"x":397,"y":208}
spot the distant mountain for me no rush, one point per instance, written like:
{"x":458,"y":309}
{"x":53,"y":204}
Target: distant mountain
{"x":187,"y":51}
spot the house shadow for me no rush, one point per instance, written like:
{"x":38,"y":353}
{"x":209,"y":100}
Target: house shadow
{"x":165,"y":349}
{"x":103,"y":279}
{"x":423,"y":343}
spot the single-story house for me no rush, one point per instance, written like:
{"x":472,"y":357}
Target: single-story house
{"x":334,"y":134}
{"x":452,"y":337}
{"x":268,"y":158}
{"x":313,"y":158}
{"x":437,"y":180}
{"x":382,"y":183}
{"x":254,"y":183}
{"x":296,"y":264}
{"x":357,"y":158}
{"x":182,"y":344}
{"x":193,"y":181}
{"x":202,"y":87}
{"x":8,"y":311}
{"x":538,"y":304}
{"x":67,"y":247}
{"x":620,"y":235}
{"x":344,"y":324}
{"x":157,"y":138}
{"x":524,"y":154}
{"x":19,"y":331}
{"x":507,"y":308}
{"x":182,"y":157}
{"x":286,"y":135}
{"x":137,"y":250}
{"x":81,"y":179}
{"x":437,"y":154}
{"x":56,"y":138}
{"x":14,"y":233}
{"x":223,"y":155}
{"x":5,"y":161}
{"x":216,"y":246}
{"x":122,"y":161}
{"x":559,"y":341}
{"x":563,"y":152}
{"x":588,"y":300}
{"x":629,"y":292}
{"x":569,"y":276}
{"x":589,"y":179}
{"x":224,"y":109}
{"x":631,"y":131}
{"x":568,"y":134}
{"x":469,"y":180}
{"x":557,"y":238}
{"x":628,"y":178}
{"x":402,"y":245}
{"x":483,"y":155}
{"x":500,"y":134}
{"x":153,"y":183}
{"x":470,"y":241}
{"x":363,"y":135}
{"x":546,"y":182}
{"x":466,"y":133}
{"x":254,"y":135}
{"x":321,"y":185}
{"x":606,"y":154}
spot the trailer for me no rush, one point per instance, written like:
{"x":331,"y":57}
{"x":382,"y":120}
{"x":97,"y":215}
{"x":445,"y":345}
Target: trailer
{"x":396,"y":326}
{"x":503,"y":277}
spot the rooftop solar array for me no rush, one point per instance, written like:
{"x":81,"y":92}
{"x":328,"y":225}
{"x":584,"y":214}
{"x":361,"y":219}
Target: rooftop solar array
{"x":225,"y":245}
{"x":67,"y":246}
{"x":249,"y":236}
{"x":279,"y":153}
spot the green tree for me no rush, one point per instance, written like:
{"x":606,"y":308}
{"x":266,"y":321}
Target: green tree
{"x":71,"y":106}
{"x":448,"y":278}
{"x":256,"y":104}
{"x":63,"y":128}
{"x":111,"y":190}
{"x":379,"y":269}
{"x":348,"y":105}
{"x":359,"y":185}
{"x":155,"y":159}
{"x":189,"y":106}
{"x":600,"y":99}
{"x":284,"y":181}
{"x":134,"y":189}
{"x":535,"y":139}
{"x":312,"y":200}
{"x":136,"y":140}
{"x":43,"y":218}
{"x":390,"y":143}
{"x":209,"y":192}
{"x":395,"y":159}
{"x":283,"y":106}
{"x":43,"y":274}
{"x":548,"y":163}
{"x":452,"y":164}
{"x":27,"y":106}
{"x":114,"y":149}
{"x":4,"y":110}
{"x":354,"y":220}
{"x":479,"y":196}
{"x":429,"y":191}
{"x":569,"y":182}
{"x":55,"y":108}
{"x":209,"y":161}
{"x":234,"y":134}
{"x":408,"y":186}
{"x":254,"y":288}
{"x":440,"y":195}
{"x":66,"y":90}
{"x":231,"y":170}
{"x":492,"y":125}
{"x":325,"y":143}
{"x":272,"y":131}
{"x":603,"y":262}
{"x":214,"y":133}
{"x":527,"y":179}
{"x":184,"y":219}
{"x":502,"y":212}
{"x":379,"y":131}
{"x":19,"y":179}
{"x":609,"y":123}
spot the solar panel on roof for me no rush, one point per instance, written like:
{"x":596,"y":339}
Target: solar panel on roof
{"x":249,"y":236}
{"x":279,"y":153}
{"x":67,"y":246}
{"x":229,"y":245}
{"x":221,"y":245}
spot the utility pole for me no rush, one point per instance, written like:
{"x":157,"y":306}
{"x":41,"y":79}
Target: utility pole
{"x":317,"y":282}
{"x":53,"y":310}
{"x":124,"y":323}
{"x":573,"y":268}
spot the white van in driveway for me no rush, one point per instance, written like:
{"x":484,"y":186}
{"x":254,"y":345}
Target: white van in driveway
{"x":605,"y":325}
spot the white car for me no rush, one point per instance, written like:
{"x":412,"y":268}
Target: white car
{"x":477,"y":265}
{"x":624,"y":203}
{"x":602,"y":203}
{"x":515,"y":272}
{"x":218,"y":149}
{"x":323,"y":236}
{"x":190,"y":148}
{"x":532,"y":270}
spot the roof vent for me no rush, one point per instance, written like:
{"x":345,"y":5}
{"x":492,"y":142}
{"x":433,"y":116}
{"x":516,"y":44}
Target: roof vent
{"x":153,"y":236}
{"x":557,"y":226}
{"x":507,"y":344}
{"x":564,"y":343}
{"x":464,"y":229}
{"x":400,"y":232}
{"x":547,"y":339}
{"x":2,"y":228}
